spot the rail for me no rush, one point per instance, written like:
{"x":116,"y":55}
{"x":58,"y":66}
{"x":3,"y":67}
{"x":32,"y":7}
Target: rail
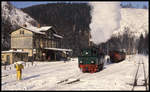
{"x":136,"y":78}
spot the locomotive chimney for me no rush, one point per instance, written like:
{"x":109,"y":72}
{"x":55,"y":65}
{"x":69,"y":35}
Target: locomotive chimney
{"x":38,"y":25}
{"x":89,"y":42}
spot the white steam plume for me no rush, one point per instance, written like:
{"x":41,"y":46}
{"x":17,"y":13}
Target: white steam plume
{"x":106,"y":18}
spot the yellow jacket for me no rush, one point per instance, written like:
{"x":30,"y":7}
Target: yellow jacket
{"x":19,"y":67}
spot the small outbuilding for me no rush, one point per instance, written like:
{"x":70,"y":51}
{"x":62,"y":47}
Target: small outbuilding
{"x":11,"y":56}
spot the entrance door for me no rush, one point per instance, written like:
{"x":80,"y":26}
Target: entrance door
{"x":7,"y":59}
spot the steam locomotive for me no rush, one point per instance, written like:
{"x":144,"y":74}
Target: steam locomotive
{"x":91,"y":60}
{"x":117,"y":56}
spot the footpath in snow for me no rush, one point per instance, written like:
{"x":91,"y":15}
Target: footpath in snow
{"x":56,"y":76}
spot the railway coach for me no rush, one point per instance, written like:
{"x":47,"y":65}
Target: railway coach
{"x":117,"y":56}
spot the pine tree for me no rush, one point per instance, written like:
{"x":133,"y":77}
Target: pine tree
{"x":141,"y":44}
{"x":144,"y":7}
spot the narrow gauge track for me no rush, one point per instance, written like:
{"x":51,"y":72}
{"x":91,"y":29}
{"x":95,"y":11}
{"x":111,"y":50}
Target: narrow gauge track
{"x":72,"y":79}
{"x":136,"y":78}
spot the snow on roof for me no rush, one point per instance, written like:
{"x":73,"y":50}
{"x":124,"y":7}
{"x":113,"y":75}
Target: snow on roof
{"x":57,"y":36}
{"x":38,"y":30}
{"x":45,"y":28}
{"x":33,"y":29}
{"x":14,"y":51}
{"x":19,"y":62}
{"x":59,"y":49}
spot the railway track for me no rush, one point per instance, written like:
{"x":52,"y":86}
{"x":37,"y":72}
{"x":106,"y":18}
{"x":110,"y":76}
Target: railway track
{"x":146,"y":79}
{"x":72,"y":79}
{"x":4,"y":75}
{"x":67,"y":80}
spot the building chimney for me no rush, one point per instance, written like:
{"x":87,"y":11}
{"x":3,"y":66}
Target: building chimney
{"x":24,"y":25}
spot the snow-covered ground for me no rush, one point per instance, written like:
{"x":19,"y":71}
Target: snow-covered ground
{"x":46,"y":75}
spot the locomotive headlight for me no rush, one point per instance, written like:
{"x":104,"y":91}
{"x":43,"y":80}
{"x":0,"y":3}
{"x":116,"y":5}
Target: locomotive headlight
{"x":92,"y":61}
{"x":81,"y":62}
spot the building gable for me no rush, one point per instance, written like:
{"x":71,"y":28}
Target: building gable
{"x":21,"y":32}
{"x":21,"y":38}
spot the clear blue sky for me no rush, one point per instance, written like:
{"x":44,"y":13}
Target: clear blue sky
{"x":23,"y":4}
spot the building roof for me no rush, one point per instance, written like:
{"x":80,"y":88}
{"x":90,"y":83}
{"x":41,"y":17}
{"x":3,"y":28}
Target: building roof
{"x":56,"y":35}
{"x":45,"y":28}
{"x":37,"y":30}
{"x":40,"y":30}
{"x":59,"y":49}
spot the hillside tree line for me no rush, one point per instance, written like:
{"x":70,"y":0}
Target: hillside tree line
{"x":72,"y":22}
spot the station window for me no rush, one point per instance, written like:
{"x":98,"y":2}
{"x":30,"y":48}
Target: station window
{"x":21,"y":31}
{"x":2,"y":56}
